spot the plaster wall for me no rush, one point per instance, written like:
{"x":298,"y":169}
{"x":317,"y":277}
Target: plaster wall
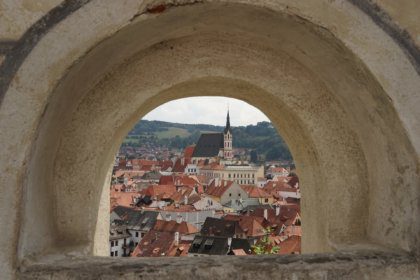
{"x":344,"y":97}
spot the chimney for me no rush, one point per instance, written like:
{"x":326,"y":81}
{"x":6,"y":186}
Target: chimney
{"x":176,"y":238}
{"x":229,"y":242}
{"x":278,"y":210}
{"x":185,"y":200}
{"x":179,"y":219}
{"x":266,"y":214}
{"x":168,"y":217}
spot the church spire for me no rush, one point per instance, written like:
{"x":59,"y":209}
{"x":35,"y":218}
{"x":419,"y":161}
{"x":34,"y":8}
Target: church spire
{"x":227,"y":128}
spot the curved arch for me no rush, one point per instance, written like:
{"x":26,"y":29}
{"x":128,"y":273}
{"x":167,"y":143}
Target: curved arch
{"x":343,"y":101}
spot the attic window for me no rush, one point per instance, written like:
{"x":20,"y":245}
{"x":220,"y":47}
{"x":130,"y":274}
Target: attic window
{"x":209,"y":242}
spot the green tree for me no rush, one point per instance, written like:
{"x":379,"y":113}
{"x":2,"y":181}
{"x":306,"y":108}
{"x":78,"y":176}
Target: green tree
{"x":264,"y":246}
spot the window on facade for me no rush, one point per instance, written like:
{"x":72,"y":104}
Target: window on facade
{"x":137,"y":234}
{"x":112,"y":254}
{"x":116,"y":253}
{"x":230,"y":194}
{"x":112,"y":243}
{"x":143,"y":234}
{"x":116,"y":243}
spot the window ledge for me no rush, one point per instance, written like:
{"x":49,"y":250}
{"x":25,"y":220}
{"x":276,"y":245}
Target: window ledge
{"x":343,"y":265}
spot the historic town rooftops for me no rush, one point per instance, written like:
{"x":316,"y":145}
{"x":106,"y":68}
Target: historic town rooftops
{"x":155,"y":244}
{"x":255,"y":192}
{"x":219,"y":227}
{"x":291,"y":245}
{"x":173,"y":226}
{"x":208,"y":145}
{"x":160,"y":191}
{"x":252,"y":226}
{"x":137,"y":219}
{"x":119,"y":198}
{"x":214,"y":245}
{"x":286,"y":216}
{"x":154,"y":175}
{"x":118,"y":230}
{"x":218,"y":188}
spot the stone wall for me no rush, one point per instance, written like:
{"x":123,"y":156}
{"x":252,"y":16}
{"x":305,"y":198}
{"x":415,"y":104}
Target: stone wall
{"x":338,"y":79}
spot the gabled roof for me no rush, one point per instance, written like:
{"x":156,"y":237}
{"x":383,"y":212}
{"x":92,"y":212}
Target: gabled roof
{"x":292,"y":245}
{"x":215,"y":245}
{"x":140,"y":219}
{"x":219,"y":227}
{"x":155,"y":244}
{"x":208,"y":145}
{"x":160,"y":191}
{"x":218,"y":189}
{"x":286,"y":216}
{"x":173,"y":226}
{"x":252,"y":226}
{"x":209,"y":245}
{"x":255,"y":192}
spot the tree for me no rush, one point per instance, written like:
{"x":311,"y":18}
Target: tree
{"x":264,"y":246}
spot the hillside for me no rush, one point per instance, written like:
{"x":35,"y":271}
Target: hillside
{"x":262,"y":138}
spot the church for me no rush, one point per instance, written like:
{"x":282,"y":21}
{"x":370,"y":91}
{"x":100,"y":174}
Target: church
{"x":211,"y":146}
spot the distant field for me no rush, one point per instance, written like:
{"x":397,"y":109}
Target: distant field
{"x":172,"y":132}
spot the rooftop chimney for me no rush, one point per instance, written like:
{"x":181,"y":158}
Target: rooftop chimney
{"x":266,"y":214}
{"x":278,"y":210}
{"x":179,"y":219}
{"x":185,"y":200}
{"x":168,"y":217}
{"x":229,"y":242}
{"x":176,"y":238}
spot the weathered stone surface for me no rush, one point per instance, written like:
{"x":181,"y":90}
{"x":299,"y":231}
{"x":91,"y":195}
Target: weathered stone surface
{"x":343,"y":266}
{"x":342,"y":91}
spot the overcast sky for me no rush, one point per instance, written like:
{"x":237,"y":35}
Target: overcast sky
{"x":207,"y":110}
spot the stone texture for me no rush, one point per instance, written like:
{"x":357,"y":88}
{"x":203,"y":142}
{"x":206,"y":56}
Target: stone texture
{"x":343,"y":266}
{"x":344,"y":97}
{"x":16,"y":16}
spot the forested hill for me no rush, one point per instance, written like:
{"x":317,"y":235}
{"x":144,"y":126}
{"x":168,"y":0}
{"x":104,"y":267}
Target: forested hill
{"x":262,"y":137}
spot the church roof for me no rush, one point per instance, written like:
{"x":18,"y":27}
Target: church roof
{"x":208,"y":145}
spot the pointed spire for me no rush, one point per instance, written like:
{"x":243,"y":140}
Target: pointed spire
{"x":227,"y":128}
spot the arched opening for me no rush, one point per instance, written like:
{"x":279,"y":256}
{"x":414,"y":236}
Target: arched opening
{"x":309,"y":95}
{"x":325,"y":93}
{"x":194,"y":181}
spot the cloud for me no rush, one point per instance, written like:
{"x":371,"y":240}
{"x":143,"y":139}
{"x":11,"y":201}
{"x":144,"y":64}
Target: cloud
{"x":207,"y":110}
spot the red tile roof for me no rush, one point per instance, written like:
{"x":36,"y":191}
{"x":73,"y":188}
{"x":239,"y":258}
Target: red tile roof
{"x":188,"y":152}
{"x":292,"y":245}
{"x":122,"y":198}
{"x":252,"y":226}
{"x":173,"y":226}
{"x":155,"y":244}
{"x":255,"y":192}
{"x":160,"y":191}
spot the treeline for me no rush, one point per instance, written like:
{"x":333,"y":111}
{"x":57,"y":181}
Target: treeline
{"x":262,"y":138}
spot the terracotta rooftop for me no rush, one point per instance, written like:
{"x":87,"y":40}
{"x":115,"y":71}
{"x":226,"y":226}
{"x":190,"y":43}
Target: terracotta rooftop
{"x":173,"y":226}
{"x":292,"y":245}
{"x":255,"y":192}
{"x":252,"y":226}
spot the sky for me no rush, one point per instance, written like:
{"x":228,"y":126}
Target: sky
{"x":207,"y":110}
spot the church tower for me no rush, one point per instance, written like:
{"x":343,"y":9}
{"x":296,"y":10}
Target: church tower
{"x":227,"y":137}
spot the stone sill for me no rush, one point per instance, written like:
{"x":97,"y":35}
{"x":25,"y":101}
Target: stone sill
{"x":343,"y":265}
